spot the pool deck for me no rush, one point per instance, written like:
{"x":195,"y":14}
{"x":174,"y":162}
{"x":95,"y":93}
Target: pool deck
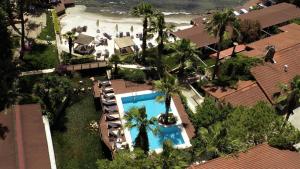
{"x":121,"y":86}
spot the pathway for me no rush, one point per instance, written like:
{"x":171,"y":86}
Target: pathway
{"x":135,"y":66}
{"x":37,"y":72}
{"x":193,"y":98}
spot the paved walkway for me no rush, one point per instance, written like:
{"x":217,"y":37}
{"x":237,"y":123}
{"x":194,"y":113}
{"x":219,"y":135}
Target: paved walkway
{"x":194,"y":99}
{"x":135,"y":66}
{"x":37,"y":72}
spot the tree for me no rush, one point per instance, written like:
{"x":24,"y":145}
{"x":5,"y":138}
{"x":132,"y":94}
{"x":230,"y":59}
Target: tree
{"x":125,"y":159}
{"x":258,"y":124}
{"x":146,"y":11}
{"x":289,"y":98}
{"x":54,"y":92}
{"x":171,"y":158}
{"x":210,"y":113}
{"x":159,"y":25}
{"x":249,"y":31}
{"x":235,"y":69}
{"x":184,"y":51}
{"x":115,"y":59}
{"x":8,"y":71}
{"x":137,"y":118}
{"x":169,"y":86}
{"x":21,"y":4}
{"x":217,"y":27}
{"x":210,"y":142}
{"x":70,"y":36}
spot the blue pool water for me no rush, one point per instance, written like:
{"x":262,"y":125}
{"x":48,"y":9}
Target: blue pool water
{"x":153,"y":109}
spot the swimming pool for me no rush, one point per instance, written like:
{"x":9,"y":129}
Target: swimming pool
{"x":147,"y":99}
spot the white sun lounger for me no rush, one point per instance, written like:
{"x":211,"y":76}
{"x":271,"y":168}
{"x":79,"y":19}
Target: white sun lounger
{"x":244,"y":10}
{"x":109,"y":95}
{"x":108,"y":90}
{"x":236,"y":13}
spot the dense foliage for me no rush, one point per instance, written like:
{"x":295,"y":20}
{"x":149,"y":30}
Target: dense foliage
{"x":239,"y":129}
{"x":235,"y":69}
{"x":7,"y":67}
{"x":54,"y":92}
{"x":134,"y":75}
{"x":249,"y":31}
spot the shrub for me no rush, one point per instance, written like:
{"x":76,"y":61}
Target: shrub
{"x":55,"y":22}
{"x":133,"y":75}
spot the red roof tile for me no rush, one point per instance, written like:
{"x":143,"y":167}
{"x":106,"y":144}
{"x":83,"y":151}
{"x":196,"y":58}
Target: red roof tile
{"x":281,"y":41}
{"x":228,"y":52}
{"x":259,"y":157}
{"x":25,"y":145}
{"x":198,"y":35}
{"x":269,"y":76}
{"x":273,"y":15}
{"x":246,"y":93}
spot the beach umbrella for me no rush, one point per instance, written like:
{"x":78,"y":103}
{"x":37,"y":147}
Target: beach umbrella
{"x":97,"y":23}
{"x":131,"y":29}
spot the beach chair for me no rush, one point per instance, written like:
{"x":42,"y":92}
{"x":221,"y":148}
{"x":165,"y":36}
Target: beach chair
{"x":110,"y":109}
{"x":121,"y":35}
{"x":109,"y":95}
{"x":108,"y":90}
{"x":114,"y":124}
{"x":105,"y":83}
{"x":109,"y":102}
{"x":112,"y":117}
{"x":127,"y":34}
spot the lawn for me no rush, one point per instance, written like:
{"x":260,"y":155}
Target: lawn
{"x":41,"y":56}
{"x":78,"y":147}
{"x":48,"y":30}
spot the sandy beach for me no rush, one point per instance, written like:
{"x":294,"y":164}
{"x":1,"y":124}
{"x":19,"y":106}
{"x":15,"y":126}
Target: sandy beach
{"x":77,"y":16}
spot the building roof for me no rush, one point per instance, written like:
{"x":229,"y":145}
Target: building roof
{"x":288,"y":38}
{"x":83,"y":39}
{"x":259,"y":157}
{"x":198,"y":35}
{"x":273,"y":15}
{"x":246,"y":93}
{"x":68,"y":2}
{"x":269,"y":75}
{"x":124,"y":42}
{"x":25,"y":144}
{"x":228,"y":52}
{"x":60,"y":8}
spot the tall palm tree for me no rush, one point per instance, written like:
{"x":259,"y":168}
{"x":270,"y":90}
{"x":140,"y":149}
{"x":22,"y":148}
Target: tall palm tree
{"x":289,"y":98}
{"x":146,"y":11}
{"x":137,"y":118}
{"x":184,"y":50}
{"x":163,"y":29}
{"x":217,"y":27}
{"x":115,"y":59}
{"x":170,"y":157}
{"x":169,"y":86}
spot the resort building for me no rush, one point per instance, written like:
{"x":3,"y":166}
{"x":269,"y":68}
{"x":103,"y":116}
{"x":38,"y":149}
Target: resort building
{"x":27,"y":142}
{"x":267,"y":17}
{"x":61,"y":5}
{"x":246,"y":93}
{"x":259,"y":157}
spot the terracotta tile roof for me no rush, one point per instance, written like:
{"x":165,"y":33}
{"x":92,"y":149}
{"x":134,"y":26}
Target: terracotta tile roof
{"x":246,"y":93}
{"x":197,"y":35}
{"x":25,"y":145}
{"x":60,"y":8}
{"x":220,"y":92}
{"x":281,"y":41}
{"x":228,"y":52}
{"x":247,"y":96}
{"x":259,"y":157}
{"x":189,"y":128}
{"x":273,"y":15}
{"x":268,"y":76}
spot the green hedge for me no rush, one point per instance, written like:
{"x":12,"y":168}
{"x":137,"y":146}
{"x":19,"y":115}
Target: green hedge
{"x":134,"y":75}
{"x":55,"y":22}
{"x":48,"y":30}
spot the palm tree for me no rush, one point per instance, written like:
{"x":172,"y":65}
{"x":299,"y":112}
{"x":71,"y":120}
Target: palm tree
{"x":159,"y":25}
{"x":210,"y":141}
{"x":217,"y":27}
{"x":146,"y":11}
{"x":137,"y":117}
{"x":184,"y":50}
{"x":115,"y":59}
{"x":289,"y":98}
{"x":169,"y":86}
{"x":170,"y":157}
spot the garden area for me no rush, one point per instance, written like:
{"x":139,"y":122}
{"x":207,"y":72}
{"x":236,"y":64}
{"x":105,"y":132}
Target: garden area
{"x":48,"y":32}
{"x":78,"y":146}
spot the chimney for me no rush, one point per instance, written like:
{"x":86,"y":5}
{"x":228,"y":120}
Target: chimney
{"x":285,"y":68}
